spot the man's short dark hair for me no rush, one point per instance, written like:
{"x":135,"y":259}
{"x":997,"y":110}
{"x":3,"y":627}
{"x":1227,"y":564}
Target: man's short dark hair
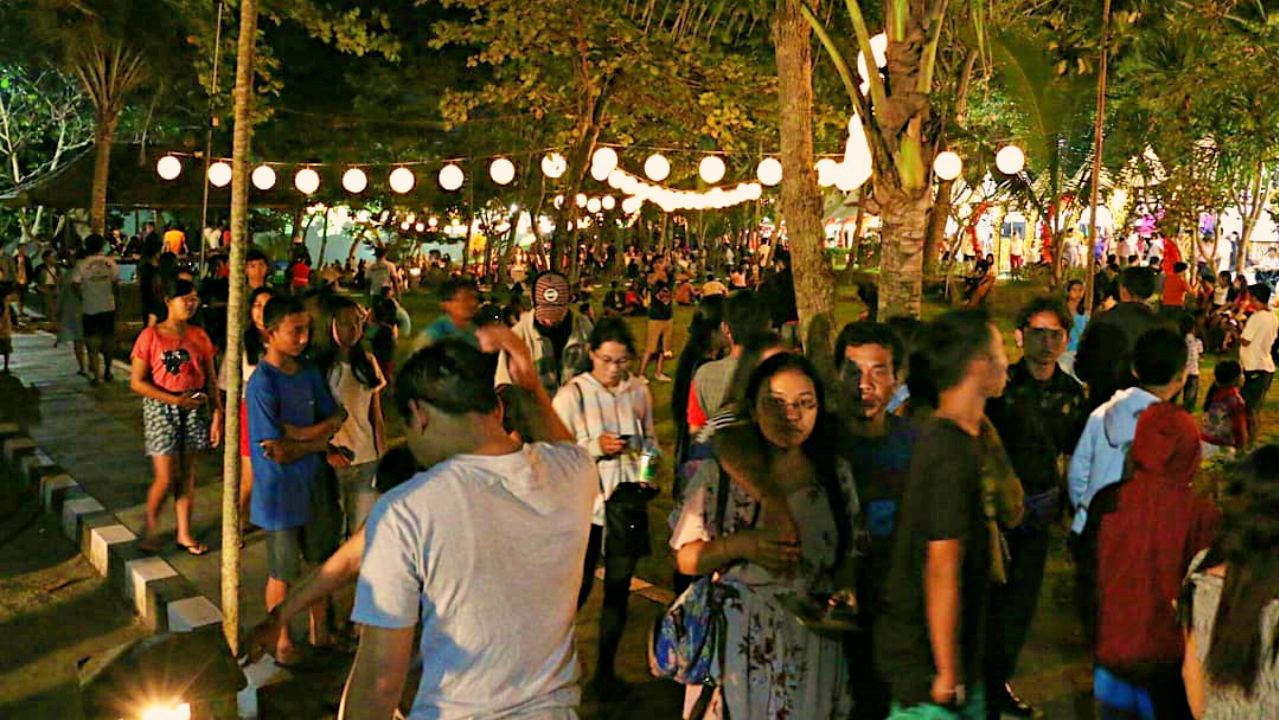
{"x":379,"y":252}
{"x":612,"y":329}
{"x":1260,"y":292}
{"x":744,"y":316}
{"x":1158,"y":356}
{"x":950,"y":345}
{"x":1179,"y":267}
{"x":255,"y":254}
{"x":1040,"y":305}
{"x":452,"y":286}
{"x":857,"y":334}
{"x":1138,"y":281}
{"x":450,"y":375}
{"x":280,"y":307}
{"x":93,"y":243}
{"x":1227,"y":372}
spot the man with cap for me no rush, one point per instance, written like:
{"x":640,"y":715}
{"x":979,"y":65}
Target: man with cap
{"x":554,"y":333}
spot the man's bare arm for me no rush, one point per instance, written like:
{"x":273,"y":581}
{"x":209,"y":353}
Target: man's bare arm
{"x":941,"y":609}
{"x":376,"y":682}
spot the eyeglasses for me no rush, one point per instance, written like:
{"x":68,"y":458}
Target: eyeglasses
{"x":615,"y":362}
{"x":1047,"y":334}
{"x":782,"y":407}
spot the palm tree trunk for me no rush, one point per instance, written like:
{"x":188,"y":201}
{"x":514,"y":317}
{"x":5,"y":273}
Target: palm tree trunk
{"x":240,"y":151}
{"x":936,"y":227}
{"x":103,"y":139}
{"x":901,"y":266}
{"x":801,"y":201}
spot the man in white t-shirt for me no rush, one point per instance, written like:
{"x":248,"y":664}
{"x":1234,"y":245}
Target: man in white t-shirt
{"x":484,"y":550}
{"x":381,"y":274}
{"x":1254,"y":355}
{"x":94,"y":278}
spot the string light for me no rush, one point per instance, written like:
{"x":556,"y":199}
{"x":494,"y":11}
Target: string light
{"x":657,"y":167}
{"x":306,"y":181}
{"x":711,"y":169}
{"x":168,"y":167}
{"x":354,"y":181}
{"x":769,"y":171}
{"x":451,"y":177}
{"x":554,"y":165}
{"x":263,"y":177}
{"x":502,"y":171}
{"x":219,"y":174}
{"x":402,"y":180}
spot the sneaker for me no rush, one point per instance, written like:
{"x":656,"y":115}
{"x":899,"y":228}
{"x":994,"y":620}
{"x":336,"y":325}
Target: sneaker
{"x":661,"y":377}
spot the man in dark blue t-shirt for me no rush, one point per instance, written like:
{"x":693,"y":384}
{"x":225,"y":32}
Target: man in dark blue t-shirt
{"x":291,"y":417}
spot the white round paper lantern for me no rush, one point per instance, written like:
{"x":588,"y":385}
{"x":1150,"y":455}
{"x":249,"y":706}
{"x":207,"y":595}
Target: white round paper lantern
{"x":580,"y":200}
{"x":402,"y":180}
{"x":769,"y":171}
{"x":354,"y":181}
{"x":947,"y":165}
{"x":451,"y":177}
{"x":263,"y":177}
{"x":632,"y":205}
{"x":306,"y":181}
{"x":593,"y":205}
{"x":420,"y":227}
{"x":219,"y":174}
{"x":657,"y":167}
{"x":711,"y":169}
{"x":1010,"y":160}
{"x":878,"y":48}
{"x":826,"y":172}
{"x":558,"y":202}
{"x":554,"y":165}
{"x":502,"y":171}
{"x":600,"y":173}
{"x":605,"y":159}
{"x":608,"y":202}
{"x":432,"y":222}
{"x":168,"y":167}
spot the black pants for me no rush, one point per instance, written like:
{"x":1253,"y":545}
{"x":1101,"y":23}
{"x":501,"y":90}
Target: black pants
{"x":1256,"y":383}
{"x":1012,"y":607}
{"x":1190,"y":393}
{"x":618,"y":570}
{"x":1083,"y":551}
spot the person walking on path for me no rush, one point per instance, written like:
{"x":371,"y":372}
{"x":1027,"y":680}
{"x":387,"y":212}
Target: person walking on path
{"x":1039,"y":418}
{"x":173,"y":371}
{"x":657,"y":339}
{"x":610,"y":412}
{"x":47,"y":277}
{"x":95,"y":278}
{"x":1255,"y":345}
{"x":930,"y":638}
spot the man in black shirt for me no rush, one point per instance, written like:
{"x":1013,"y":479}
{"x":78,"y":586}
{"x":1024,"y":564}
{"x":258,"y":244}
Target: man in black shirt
{"x":660,"y":325}
{"x":1104,"y":359}
{"x":1039,"y":418}
{"x":929,"y":637}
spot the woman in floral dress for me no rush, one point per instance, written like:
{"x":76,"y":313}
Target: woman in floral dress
{"x":773,"y":667}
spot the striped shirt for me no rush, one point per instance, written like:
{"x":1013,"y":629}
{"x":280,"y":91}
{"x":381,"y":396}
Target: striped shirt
{"x":589,"y":410}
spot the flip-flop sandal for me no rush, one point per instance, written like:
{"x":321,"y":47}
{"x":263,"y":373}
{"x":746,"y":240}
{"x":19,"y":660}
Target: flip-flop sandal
{"x":197,"y":548}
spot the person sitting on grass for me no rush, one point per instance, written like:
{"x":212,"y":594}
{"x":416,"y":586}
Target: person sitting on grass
{"x":1225,"y":421}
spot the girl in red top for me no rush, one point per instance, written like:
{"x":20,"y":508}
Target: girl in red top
{"x":181,"y":409}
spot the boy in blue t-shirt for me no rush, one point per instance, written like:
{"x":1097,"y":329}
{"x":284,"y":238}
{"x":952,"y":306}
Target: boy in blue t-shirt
{"x":291,"y":417}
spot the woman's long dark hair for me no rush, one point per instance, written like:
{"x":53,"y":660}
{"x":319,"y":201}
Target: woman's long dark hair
{"x":1250,"y":547}
{"x":820,"y":445}
{"x":325,"y":349}
{"x":254,"y":343}
{"x":702,"y":333}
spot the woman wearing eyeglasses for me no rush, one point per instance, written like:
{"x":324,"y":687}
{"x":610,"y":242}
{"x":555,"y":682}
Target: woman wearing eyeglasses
{"x":772,"y":665}
{"x":181,"y":409}
{"x":610,"y":411}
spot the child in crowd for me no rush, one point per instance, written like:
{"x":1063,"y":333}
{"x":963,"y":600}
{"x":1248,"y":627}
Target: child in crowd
{"x":1194,"y":348}
{"x":251,"y":352}
{"x":292,"y":416}
{"x":172,"y":369}
{"x":356,"y":384}
{"x":1225,"y":420}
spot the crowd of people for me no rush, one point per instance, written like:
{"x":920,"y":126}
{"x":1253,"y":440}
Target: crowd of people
{"x":866,"y":541}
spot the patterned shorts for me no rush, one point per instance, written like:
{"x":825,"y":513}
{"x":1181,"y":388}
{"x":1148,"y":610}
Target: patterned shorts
{"x":170,"y":429}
